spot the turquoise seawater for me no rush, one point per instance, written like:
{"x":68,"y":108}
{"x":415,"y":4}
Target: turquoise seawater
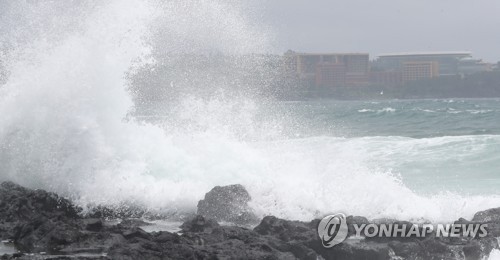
{"x":432,"y":145}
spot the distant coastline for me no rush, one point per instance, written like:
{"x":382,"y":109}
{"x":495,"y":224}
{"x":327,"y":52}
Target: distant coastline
{"x":392,"y":76}
{"x":478,"y":85}
{"x":293,"y":76}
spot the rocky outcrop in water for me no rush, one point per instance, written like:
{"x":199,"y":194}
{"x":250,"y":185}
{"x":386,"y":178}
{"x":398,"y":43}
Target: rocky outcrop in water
{"x":49,"y":226}
{"x":228,"y":204}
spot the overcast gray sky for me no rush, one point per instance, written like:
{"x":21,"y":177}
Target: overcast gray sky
{"x":381,"y":26}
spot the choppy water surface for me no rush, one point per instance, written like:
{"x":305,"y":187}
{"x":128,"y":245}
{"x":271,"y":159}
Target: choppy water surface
{"x":435,"y":145}
{"x":69,"y":123}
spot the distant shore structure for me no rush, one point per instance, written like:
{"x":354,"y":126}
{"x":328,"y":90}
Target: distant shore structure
{"x":332,"y":70}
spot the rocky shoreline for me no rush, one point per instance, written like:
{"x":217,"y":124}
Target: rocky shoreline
{"x":42,"y":225}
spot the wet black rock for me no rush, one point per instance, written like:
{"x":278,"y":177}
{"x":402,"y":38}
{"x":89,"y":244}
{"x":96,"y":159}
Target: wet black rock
{"x":228,"y":204}
{"x":93,"y":224}
{"x":287,"y":230}
{"x":233,"y":242}
{"x":355,"y":220}
{"x":21,"y":204}
{"x":38,"y":221}
{"x":487,"y":216}
{"x":199,"y":224}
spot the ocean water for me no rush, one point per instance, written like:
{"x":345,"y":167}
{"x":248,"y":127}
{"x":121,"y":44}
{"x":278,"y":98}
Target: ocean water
{"x":412,"y":159}
{"x":433,"y":145}
{"x":70,"y":125}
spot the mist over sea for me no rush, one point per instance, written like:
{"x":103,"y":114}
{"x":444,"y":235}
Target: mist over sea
{"x":413,"y":159}
{"x":71,"y":123}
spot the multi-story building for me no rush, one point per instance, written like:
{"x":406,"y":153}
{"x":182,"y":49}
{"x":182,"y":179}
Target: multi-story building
{"x":357,"y":69}
{"x":326,"y":70}
{"x":386,"y":78}
{"x":448,"y":62}
{"x":416,"y":70}
{"x":330,"y":75}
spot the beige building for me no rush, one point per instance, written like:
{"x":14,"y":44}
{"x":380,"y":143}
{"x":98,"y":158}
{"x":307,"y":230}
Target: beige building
{"x":331,"y":75}
{"x":415,"y":70}
{"x":332,"y":69}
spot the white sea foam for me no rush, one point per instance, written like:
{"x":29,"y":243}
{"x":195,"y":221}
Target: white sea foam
{"x":63,"y":129}
{"x":494,"y":255}
{"x":480,"y":111}
{"x":424,"y":110}
{"x":387,"y":110}
{"x":379,"y":111}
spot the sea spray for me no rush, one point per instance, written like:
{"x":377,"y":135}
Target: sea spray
{"x":66,"y":128}
{"x":67,"y":125}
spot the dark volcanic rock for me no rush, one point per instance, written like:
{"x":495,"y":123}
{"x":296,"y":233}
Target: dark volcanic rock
{"x":287,"y":230}
{"x":39,"y":221}
{"x":36,"y":219}
{"x":490,"y":215}
{"x":199,"y":224}
{"x":355,"y":220}
{"x":229,"y":204}
{"x":93,"y":224}
{"x":21,"y":204}
{"x":353,"y":250}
